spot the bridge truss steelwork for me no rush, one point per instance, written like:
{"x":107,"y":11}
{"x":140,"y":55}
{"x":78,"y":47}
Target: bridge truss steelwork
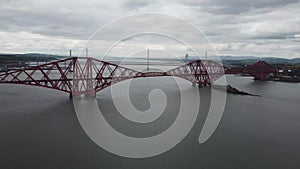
{"x":88,"y":75}
{"x":260,"y":70}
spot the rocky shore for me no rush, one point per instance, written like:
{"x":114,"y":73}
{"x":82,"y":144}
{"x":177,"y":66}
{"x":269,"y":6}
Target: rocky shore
{"x":230,"y":89}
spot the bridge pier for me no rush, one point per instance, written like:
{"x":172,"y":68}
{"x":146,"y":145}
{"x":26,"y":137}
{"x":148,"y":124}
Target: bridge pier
{"x":206,"y":84}
{"x":258,"y":78}
{"x":90,"y":95}
{"x":200,"y":85}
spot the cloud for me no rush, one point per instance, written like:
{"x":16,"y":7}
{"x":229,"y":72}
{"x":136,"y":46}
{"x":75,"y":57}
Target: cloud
{"x":257,"y":27}
{"x":136,"y":4}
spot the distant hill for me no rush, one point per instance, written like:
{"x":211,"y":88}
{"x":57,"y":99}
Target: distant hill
{"x":29,"y":57}
{"x":227,"y":60}
{"x":238,"y":57}
{"x":270,"y":60}
{"x":252,"y":59}
{"x":295,"y":60}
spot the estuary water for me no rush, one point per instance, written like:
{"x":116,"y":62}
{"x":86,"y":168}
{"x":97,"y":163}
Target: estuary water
{"x":39,"y":128}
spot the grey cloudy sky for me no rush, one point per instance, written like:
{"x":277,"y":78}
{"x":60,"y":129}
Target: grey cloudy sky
{"x":235,"y":27}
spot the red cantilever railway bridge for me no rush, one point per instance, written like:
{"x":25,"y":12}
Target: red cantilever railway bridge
{"x":88,"y":75}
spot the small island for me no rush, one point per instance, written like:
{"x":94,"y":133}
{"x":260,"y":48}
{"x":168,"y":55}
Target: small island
{"x":230,"y":89}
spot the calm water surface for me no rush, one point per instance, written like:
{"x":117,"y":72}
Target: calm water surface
{"x":39,"y":129}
